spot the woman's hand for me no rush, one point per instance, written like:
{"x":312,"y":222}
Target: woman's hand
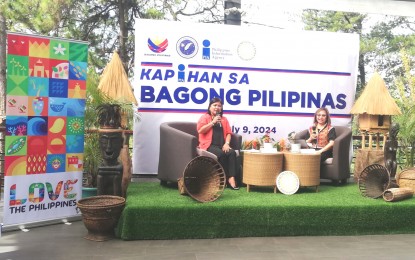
{"x":226,"y":147}
{"x":327,"y":147}
{"x":312,"y":138}
{"x":216,"y":119}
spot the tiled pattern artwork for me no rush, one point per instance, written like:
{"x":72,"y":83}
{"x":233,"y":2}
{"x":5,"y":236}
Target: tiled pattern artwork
{"x":45,"y":105}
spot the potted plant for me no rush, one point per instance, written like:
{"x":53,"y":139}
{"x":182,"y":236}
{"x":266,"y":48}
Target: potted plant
{"x":109,"y":116}
{"x":267,"y":141}
{"x":281,"y":145}
{"x":250,"y":144}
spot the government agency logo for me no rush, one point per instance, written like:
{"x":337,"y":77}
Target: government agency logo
{"x":157,"y":45}
{"x":246,"y":50}
{"x":187,"y":47}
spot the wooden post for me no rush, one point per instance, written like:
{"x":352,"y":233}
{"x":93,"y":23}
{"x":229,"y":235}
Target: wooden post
{"x":370,"y":141}
{"x":384,"y":141}
{"x":377,"y":141}
{"x":363,"y":141}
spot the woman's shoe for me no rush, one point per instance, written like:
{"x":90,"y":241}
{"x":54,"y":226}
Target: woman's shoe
{"x":228,"y":183}
{"x":233,"y":188}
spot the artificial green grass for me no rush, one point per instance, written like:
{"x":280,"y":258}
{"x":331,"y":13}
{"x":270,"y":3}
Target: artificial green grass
{"x":157,"y":212}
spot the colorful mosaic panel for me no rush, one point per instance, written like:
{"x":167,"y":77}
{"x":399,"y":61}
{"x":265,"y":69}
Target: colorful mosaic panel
{"x":45,"y":105}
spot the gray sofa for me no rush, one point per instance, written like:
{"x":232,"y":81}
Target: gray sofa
{"x":178,"y":146}
{"x":338,"y":170}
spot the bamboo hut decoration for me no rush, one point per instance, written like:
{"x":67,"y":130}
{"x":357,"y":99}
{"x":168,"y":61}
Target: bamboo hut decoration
{"x":375,"y":107}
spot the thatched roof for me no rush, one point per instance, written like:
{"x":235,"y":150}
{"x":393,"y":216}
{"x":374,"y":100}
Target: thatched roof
{"x":114,"y":81}
{"x":375,"y":99}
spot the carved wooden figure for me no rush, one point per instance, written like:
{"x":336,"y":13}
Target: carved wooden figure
{"x":391,"y":147}
{"x":110,"y":173}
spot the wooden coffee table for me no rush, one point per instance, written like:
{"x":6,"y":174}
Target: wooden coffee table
{"x":261,"y":169}
{"x":306,"y":166}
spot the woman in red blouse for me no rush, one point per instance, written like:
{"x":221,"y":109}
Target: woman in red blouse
{"x":215,"y":136}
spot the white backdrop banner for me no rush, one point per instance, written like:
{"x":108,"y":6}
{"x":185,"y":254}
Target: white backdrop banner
{"x":269,"y":80}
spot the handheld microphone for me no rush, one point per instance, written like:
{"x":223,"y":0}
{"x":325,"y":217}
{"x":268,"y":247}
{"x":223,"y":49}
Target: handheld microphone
{"x":218,"y":114}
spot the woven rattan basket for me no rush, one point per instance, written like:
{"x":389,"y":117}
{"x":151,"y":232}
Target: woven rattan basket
{"x":373,"y":181}
{"x":204,"y":179}
{"x":406,"y":178}
{"x":100,"y":215}
{"x":180,"y":186}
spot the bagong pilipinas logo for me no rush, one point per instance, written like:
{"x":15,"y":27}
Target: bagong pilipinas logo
{"x":187,"y":47}
{"x":157,"y":45}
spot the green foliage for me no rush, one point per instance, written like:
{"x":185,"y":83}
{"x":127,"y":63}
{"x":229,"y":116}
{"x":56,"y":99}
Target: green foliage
{"x":92,"y":158}
{"x":107,"y":25}
{"x":332,"y":21}
{"x":155,"y":14}
{"x":92,"y":152}
{"x":405,"y":97}
{"x":93,"y":99}
{"x":39,"y":16}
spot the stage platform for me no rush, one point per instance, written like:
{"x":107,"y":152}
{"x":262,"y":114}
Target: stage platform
{"x":157,"y":212}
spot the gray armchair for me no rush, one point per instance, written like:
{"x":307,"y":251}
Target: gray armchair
{"x":178,"y":146}
{"x":338,"y":169}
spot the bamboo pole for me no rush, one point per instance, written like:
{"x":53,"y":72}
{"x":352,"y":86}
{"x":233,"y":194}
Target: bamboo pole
{"x":363,"y":141}
{"x":370,"y":141}
{"x":377,"y":141}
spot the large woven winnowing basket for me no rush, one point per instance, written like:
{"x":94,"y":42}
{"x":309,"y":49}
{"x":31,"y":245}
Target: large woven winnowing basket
{"x":180,"y":186}
{"x":406,"y":178}
{"x":373,"y":181}
{"x":204,"y":179}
